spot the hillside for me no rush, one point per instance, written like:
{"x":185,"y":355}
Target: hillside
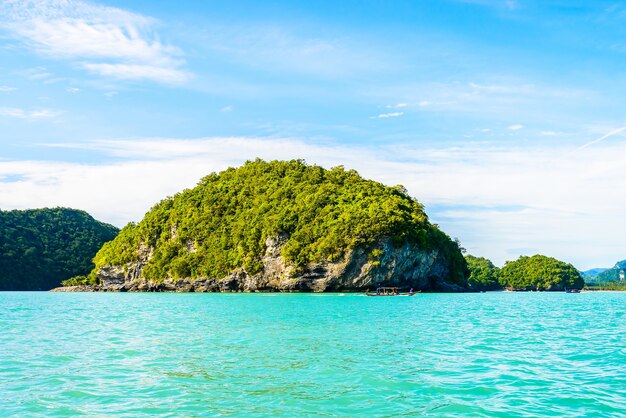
{"x":612,"y":274}
{"x":282,"y":225}
{"x":593,"y":273}
{"x":39,"y":248}
{"x":483,"y":275}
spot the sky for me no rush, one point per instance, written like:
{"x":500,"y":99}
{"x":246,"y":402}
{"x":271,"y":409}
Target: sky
{"x":506,"y":119}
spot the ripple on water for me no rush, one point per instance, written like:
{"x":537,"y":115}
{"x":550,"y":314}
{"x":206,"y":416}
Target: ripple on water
{"x":494,"y":354}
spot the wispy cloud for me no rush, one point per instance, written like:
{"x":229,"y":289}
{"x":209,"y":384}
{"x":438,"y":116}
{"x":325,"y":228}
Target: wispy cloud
{"x":133,"y":72}
{"x":388,"y":115}
{"x":106,"y":40}
{"x":397,"y":106}
{"x":278,"y":49}
{"x":7,"y":89}
{"x":602,"y":138}
{"x":499,"y":97}
{"x":515,"y":127}
{"x":37,"y":73}
{"x":15,"y":112}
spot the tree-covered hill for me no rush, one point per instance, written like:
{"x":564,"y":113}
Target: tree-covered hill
{"x":483,"y":275}
{"x":612,"y":274}
{"x":540,"y":273}
{"x":314,"y":215}
{"x":39,"y":248}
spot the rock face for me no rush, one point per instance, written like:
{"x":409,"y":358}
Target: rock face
{"x":405,"y":266}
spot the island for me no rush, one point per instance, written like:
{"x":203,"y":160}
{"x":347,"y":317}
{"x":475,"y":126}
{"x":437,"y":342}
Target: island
{"x":540,"y":273}
{"x":41,"y":247}
{"x":280,"y":226}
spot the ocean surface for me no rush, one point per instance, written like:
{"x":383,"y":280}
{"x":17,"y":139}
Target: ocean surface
{"x":483,"y":354}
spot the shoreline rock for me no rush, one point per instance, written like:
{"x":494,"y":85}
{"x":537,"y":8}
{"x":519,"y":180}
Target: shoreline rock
{"x":406,"y":266}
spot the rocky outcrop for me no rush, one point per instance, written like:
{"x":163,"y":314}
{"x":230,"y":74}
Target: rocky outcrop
{"x":359,"y":269}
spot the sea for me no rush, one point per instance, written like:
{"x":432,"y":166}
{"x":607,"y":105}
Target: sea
{"x":500,"y":354}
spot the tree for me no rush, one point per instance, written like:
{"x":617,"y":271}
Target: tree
{"x":483,"y":275}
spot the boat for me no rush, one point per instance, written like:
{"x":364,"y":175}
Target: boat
{"x":572,"y":290}
{"x":390,"y":291}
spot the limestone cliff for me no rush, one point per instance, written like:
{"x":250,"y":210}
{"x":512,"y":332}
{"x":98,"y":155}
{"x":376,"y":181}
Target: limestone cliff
{"x":403,"y":266}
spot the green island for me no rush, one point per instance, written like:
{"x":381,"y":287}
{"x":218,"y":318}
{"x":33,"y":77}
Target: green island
{"x":540,"y":273}
{"x":537,"y":272}
{"x":41,"y":247}
{"x":281,"y":225}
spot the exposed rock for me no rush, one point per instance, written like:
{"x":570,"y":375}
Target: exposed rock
{"x":111,"y":275}
{"x":82,"y":288}
{"x":405,"y":266}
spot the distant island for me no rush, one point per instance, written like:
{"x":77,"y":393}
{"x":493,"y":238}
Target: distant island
{"x":613,"y":278}
{"x":537,"y":273}
{"x":41,"y":247}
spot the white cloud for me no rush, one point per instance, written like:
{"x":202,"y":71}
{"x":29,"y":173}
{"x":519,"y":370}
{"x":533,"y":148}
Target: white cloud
{"x":138,"y":72}
{"x":389,"y":115}
{"x":515,"y":127}
{"x":602,"y":138}
{"x":37,"y":73}
{"x":549,"y":133}
{"x":397,"y":106}
{"x":500,"y":202}
{"x":114,"y":42}
{"x":7,"y":89}
{"x":15,"y":112}
{"x":72,"y":89}
{"x":228,"y":108}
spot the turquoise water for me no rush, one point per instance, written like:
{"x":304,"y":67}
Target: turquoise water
{"x":491,"y":354}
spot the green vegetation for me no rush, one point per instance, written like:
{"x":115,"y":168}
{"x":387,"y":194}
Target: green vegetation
{"x":607,"y":279}
{"x":540,"y":273}
{"x":613,"y":286}
{"x":222,"y":224}
{"x":612,"y":274}
{"x":483,"y":275}
{"x":39,"y":248}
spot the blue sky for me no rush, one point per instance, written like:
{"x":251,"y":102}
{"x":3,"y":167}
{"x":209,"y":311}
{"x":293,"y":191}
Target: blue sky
{"x":505,"y":118}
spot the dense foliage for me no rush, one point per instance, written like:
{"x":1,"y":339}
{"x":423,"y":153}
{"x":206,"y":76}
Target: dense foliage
{"x":40,"y":248}
{"x":483,"y":275}
{"x":223,"y":223}
{"x":540,"y":273}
